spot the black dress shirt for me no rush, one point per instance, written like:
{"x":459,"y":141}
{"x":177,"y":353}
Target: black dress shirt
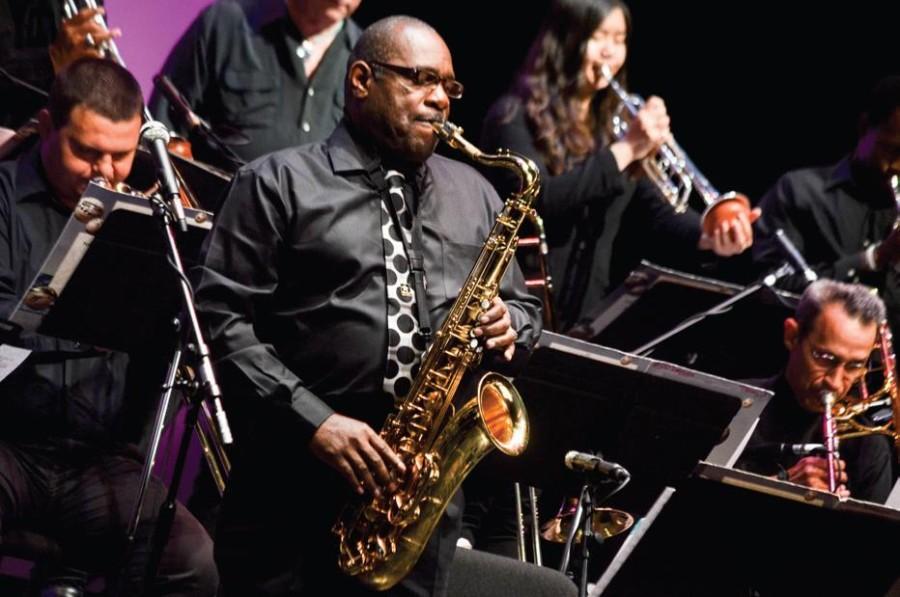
{"x":76,"y":398}
{"x":783,"y":420}
{"x":240,"y":70}
{"x":600,"y":223}
{"x":831,"y":219}
{"x":293,"y":287}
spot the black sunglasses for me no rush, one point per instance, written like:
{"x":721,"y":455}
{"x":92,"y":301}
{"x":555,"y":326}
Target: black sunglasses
{"x":424,"y":77}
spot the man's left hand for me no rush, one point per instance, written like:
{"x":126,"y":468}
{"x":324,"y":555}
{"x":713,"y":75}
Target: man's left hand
{"x":731,"y":237}
{"x":496,"y":329}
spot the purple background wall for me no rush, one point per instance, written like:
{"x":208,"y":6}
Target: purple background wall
{"x":149,"y":30}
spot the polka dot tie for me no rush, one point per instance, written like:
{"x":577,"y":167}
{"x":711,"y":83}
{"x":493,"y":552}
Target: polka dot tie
{"x":405,"y":343}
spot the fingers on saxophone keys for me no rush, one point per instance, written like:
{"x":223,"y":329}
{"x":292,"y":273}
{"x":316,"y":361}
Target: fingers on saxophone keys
{"x":363,"y":474}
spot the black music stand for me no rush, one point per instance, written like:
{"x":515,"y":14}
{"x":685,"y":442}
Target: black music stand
{"x":724,"y":532}
{"x":111,"y":288}
{"x":745,"y":342}
{"x":654,"y":418}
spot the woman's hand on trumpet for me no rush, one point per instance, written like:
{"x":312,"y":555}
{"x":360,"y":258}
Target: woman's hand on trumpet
{"x":78,"y":37}
{"x":732,"y":236}
{"x":647,"y":131}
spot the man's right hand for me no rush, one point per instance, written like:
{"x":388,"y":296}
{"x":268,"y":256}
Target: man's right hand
{"x":354,"y":449}
{"x":812,"y":471}
{"x":78,"y":37}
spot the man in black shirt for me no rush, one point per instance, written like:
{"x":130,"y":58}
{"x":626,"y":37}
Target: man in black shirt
{"x":293,"y":292}
{"x":829,"y":344}
{"x":841,"y":217}
{"x":68,"y":463}
{"x":264,"y":83}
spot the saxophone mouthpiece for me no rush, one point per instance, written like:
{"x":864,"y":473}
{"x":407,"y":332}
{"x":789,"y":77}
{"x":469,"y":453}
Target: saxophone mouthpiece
{"x":445,"y":129}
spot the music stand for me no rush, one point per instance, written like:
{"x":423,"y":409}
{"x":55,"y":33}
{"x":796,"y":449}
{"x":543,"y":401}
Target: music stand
{"x":654,"y":418}
{"x":115,"y":279}
{"x":725,"y":531}
{"x":111,"y":287}
{"x":745,"y":342}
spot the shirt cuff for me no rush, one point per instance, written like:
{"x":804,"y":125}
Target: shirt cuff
{"x":311,"y":409}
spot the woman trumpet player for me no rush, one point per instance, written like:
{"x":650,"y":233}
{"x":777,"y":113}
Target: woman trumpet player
{"x":599,"y":221}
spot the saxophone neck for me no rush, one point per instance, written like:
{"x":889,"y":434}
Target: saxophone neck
{"x":527,"y":170}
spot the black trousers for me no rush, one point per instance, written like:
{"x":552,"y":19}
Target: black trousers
{"x":83,"y":498}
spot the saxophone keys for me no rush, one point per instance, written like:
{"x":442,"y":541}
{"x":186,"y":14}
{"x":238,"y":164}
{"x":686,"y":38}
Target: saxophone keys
{"x":485,"y":304}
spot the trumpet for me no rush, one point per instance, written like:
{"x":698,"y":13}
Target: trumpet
{"x":672,"y":171}
{"x":107,"y":48}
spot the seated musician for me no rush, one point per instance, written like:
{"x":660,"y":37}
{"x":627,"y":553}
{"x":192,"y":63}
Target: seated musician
{"x":68,"y":465}
{"x":841,"y":217}
{"x":829,"y":341}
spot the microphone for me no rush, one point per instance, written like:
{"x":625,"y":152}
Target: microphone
{"x":583,"y":462}
{"x":154,"y":137}
{"x":782,"y":450}
{"x":795,"y":257}
{"x":179,"y":104}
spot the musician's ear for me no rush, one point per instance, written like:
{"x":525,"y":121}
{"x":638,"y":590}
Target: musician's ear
{"x":360,"y":75}
{"x":791,"y":333}
{"x":45,"y":124}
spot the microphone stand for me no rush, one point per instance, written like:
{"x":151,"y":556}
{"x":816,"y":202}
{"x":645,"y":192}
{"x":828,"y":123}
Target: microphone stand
{"x":205,"y":387}
{"x":767,"y":282}
{"x":583,"y":521}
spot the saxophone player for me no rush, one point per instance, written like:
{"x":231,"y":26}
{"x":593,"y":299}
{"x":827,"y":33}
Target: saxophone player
{"x":327,"y":266}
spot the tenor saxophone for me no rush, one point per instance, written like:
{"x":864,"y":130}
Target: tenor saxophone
{"x":382,"y":538}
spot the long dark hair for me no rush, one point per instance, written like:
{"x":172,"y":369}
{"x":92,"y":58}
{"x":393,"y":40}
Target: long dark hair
{"x":552,"y":74}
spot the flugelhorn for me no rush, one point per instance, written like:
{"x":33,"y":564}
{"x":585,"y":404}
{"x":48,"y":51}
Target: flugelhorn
{"x":672,"y":171}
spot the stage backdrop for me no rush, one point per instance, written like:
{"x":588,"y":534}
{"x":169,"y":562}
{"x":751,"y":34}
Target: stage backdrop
{"x":149,"y":30}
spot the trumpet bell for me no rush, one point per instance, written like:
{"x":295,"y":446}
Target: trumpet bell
{"x":725,"y":208}
{"x":605,"y":522}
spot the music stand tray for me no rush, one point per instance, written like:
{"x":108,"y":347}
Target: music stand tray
{"x":745,"y":342}
{"x":724,"y":532}
{"x":655,"y":418}
{"x":107,"y":282}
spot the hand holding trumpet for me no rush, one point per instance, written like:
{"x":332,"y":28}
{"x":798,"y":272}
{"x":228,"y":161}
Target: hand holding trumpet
{"x":80,"y":36}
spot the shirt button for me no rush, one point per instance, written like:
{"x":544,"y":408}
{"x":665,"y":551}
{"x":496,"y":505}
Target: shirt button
{"x":305,"y":127}
{"x":311,"y":92}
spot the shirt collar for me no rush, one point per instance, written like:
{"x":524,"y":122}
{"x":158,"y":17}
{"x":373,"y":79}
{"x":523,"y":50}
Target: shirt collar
{"x":840,"y":175}
{"x":347,"y":156}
